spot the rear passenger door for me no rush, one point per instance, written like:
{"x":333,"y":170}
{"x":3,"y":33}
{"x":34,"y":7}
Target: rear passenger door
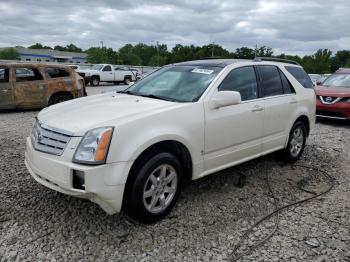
{"x":30,"y":88}
{"x":59,"y":80}
{"x":6,"y":90}
{"x":280,"y":104}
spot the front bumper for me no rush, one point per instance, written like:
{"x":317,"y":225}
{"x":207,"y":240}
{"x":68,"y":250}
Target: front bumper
{"x":340,"y":110}
{"x":104,"y":184}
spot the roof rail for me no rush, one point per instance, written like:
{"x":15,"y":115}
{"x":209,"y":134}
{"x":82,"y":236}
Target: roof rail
{"x":275,"y":59}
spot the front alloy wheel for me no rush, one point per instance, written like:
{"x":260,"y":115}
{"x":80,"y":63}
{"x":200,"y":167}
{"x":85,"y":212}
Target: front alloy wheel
{"x":296,"y":143}
{"x":160,"y":188}
{"x":153,"y":187}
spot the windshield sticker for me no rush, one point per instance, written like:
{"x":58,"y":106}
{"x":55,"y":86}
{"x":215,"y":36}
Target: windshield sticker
{"x":202,"y":71}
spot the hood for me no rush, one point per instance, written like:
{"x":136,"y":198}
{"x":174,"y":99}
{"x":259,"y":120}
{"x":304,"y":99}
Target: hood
{"x":109,"y":109}
{"x":87,"y":71}
{"x":332,"y":91}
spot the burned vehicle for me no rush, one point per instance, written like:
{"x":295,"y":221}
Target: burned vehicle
{"x":31,"y":86}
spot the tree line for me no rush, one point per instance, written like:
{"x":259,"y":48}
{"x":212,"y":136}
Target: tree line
{"x":322,"y":61}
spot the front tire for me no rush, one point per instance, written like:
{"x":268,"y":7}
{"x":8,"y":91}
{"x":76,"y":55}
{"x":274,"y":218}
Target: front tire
{"x":155,"y":188}
{"x":127,"y":81}
{"x":95,"y":81}
{"x":296,"y":142}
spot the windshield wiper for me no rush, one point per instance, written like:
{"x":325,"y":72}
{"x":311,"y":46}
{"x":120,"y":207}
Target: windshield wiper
{"x":149,"y":96}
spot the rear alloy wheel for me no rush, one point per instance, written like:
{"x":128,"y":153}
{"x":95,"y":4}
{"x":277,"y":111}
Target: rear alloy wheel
{"x":296,"y":142}
{"x":127,"y":81}
{"x":155,"y":188}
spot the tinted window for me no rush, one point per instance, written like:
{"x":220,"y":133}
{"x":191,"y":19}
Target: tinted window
{"x":271,"y":81}
{"x":56,"y":72}
{"x":300,"y":75}
{"x":242,"y":80}
{"x":28,"y":74}
{"x":4,"y":75}
{"x":287,"y":86}
{"x":107,"y":68}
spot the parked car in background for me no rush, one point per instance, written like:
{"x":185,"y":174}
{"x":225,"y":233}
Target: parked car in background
{"x":314,"y":78}
{"x":30,"y":86}
{"x":106,"y":73}
{"x":322,"y":79}
{"x":75,"y":67}
{"x":333,"y":96}
{"x":133,"y":149}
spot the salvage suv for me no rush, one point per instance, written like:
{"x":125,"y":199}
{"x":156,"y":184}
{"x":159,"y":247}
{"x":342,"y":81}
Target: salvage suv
{"x":133,"y":149}
{"x":31,"y":86}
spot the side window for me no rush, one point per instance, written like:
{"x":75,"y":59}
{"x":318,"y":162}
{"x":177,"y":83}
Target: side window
{"x":242,"y":80}
{"x":4,"y":75}
{"x":271,"y":81}
{"x":287,"y":86}
{"x":28,"y":74}
{"x":300,"y":75}
{"x":56,"y":72}
{"x":107,"y":68}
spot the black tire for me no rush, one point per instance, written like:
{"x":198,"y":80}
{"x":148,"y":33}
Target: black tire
{"x":95,"y":81}
{"x":116,"y":82}
{"x":135,"y":205}
{"x":127,"y":80}
{"x":59,"y":98}
{"x":292,"y":152}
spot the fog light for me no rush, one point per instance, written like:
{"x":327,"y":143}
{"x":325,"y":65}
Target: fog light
{"x":78,"y":180}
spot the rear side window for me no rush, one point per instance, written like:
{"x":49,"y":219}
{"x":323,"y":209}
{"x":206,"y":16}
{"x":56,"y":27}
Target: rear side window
{"x":4,"y":75}
{"x":300,"y":75}
{"x":287,"y":86}
{"x":56,"y":72}
{"x":28,"y":74}
{"x":242,"y":80}
{"x":271,"y":81}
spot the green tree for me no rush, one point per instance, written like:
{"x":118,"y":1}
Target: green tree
{"x":244,"y":53}
{"x":9,"y":54}
{"x":39,"y":46}
{"x":157,"y":60}
{"x":98,"y":55}
{"x":318,"y":63}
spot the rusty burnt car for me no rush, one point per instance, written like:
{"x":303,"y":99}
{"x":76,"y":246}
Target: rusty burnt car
{"x":32,"y":86}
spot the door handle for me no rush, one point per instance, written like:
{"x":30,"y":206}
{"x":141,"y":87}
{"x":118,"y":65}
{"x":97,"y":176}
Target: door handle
{"x":293,"y":101}
{"x":257,"y":108}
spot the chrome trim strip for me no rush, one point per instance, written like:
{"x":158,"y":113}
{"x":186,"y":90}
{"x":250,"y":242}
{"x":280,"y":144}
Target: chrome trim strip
{"x":333,"y":117}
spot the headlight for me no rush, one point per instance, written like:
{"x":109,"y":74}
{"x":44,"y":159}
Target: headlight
{"x":93,"y":148}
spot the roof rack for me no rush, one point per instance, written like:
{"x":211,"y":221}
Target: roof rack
{"x":275,"y":59}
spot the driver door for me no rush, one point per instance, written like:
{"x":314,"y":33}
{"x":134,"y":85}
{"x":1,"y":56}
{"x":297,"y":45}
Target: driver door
{"x":107,"y":74}
{"x":233,"y":134}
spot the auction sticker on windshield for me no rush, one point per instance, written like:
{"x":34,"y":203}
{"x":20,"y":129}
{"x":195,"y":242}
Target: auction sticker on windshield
{"x":202,"y":71}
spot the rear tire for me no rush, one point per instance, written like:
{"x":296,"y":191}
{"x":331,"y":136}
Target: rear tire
{"x":155,"y":188}
{"x":127,"y":81}
{"x":296,"y":143}
{"x":59,"y":98}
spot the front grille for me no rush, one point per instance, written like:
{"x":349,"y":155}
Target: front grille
{"x":329,"y":113}
{"x":49,"y":140}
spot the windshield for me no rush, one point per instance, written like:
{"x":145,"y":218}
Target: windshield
{"x":97,"y":67}
{"x":337,"y":80}
{"x":177,"y":83}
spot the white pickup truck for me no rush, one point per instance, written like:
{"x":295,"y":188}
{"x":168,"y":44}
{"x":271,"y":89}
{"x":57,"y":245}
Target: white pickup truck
{"x":107,"y":73}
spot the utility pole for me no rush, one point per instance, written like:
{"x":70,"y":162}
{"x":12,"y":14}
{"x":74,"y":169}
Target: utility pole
{"x":101,"y":43}
{"x":212,"y":50}
{"x":256,"y":49}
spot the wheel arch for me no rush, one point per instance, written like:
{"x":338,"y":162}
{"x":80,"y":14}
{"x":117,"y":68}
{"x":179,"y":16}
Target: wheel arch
{"x":174,"y":147}
{"x":52,"y":96}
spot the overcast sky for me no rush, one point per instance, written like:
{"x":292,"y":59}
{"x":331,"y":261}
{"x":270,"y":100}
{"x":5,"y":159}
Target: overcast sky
{"x":290,"y":26}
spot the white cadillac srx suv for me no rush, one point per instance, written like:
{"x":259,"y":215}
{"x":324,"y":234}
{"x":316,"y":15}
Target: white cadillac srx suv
{"x":133,"y":149}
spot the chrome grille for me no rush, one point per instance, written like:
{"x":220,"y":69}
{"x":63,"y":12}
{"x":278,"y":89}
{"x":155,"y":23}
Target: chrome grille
{"x":49,"y":140}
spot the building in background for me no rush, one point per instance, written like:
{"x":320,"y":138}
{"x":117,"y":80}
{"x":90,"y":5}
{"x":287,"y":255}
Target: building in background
{"x":49,"y":55}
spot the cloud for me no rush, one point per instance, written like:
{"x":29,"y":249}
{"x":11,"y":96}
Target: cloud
{"x":291,"y":26}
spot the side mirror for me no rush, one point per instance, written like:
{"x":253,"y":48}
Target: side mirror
{"x":225,"y":98}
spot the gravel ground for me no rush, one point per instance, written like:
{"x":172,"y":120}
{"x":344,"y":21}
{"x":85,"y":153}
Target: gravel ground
{"x":38,"y":224}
